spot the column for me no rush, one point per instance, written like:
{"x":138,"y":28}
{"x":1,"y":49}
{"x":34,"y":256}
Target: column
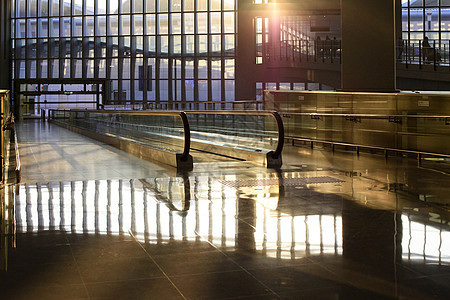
{"x":368,"y":45}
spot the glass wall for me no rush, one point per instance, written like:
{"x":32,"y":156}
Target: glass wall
{"x":426,"y":18}
{"x":148,"y":50}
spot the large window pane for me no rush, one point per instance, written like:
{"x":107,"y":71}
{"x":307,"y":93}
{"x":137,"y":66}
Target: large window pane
{"x":215,"y":44}
{"x":176,"y":44}
{"x":228,"y":4}
{"x":138,"y":6}
{"x":43,"y":8}
{"x":215,"y":22}
{"x":21,"y":11}
{"x":216,"y":69}
{"x":189,"y":44}
{"x":65,"y":29}
{"x":101,"y":26}
{"x":215,"y":4}
{"x":113,"y":6}
{"x":77,"y":26}
{"x":125,"y":25}
{"x":176,"y":24}
{"x":66,"y":7}
{"x":229,"y":90}
{"x":113,"y":25}
{"x":163,"y":5}
{"x":31,"y":30}
{"x":176,"y":5}
{"x":89,"y":28}
{"x":54,"y":27}
{"x":202,"y":23}
{"x":32,"y":8}
{"x":229,"y":68}
{"x":125,"y":6}
{"x":202,"y":69}
{"x":101,"y":6}
{"x":150,"y":6}
{"x":78,"y":6}
{"x":150,"y":20}
{"x":189,"y":23}
{"x":138,"y":25}
{"x":43,"y":27}
{"x":163,"y":24}
{"x":202,"y":5}
{"x":54,"y":7}
{"x":203,"y":90}
{"x":189,"y":5}
{"x":216,"y":90}
{"x":202,"y":45}
{"x":228,"y":22}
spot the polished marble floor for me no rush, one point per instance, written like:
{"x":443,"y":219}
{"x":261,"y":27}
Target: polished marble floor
{"x":93,"y":222}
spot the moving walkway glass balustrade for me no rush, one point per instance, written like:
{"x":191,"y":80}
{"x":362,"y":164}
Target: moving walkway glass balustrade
{"x":424,"y":133}
{"x":161,"y":130}
{"x":256,"y":136}
{"x":252,"y":131}
{"x":404,"y":121}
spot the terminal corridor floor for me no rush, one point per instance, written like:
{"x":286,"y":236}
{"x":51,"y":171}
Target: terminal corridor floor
{"x":93,"y":222}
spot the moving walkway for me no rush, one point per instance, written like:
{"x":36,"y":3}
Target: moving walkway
{"x":168,"y":136}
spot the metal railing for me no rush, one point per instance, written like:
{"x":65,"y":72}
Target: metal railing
{"x":297,"y":51}
{"x":415,"y":53}
{"x":183,"y":105}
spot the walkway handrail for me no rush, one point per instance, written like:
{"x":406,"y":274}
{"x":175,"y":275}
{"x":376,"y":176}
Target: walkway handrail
{"x":187,"y":136}
{"x":374,"y":116}
{"x":280,"y":144}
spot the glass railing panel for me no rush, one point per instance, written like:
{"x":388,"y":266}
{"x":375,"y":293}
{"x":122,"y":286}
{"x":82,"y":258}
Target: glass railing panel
{"x":164,"y":131}
{"x":403,"y":121}
{"x":258,"y":131}
{"x":416,"y":133}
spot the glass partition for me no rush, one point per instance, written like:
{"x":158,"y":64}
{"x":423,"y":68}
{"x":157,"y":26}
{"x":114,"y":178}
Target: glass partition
{"x":256,"y":136}
{"x":404,"y":121}
{"x":164,"y":131}
{"x":255,"y":131}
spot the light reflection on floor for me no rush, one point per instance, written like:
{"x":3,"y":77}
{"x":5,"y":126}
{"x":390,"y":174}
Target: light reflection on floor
{"x":158,"y":210}
{"x":326,"y":225}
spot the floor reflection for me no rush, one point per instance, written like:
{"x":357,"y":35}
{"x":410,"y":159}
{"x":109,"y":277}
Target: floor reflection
{"x":278,"y":219}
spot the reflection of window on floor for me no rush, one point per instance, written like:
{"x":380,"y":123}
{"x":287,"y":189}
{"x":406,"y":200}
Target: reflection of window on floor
{"x":426,"y":242}
{"x":313,"y":234}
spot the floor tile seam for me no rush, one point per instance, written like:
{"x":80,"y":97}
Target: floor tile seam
{"x":306,"y":289}
{"x":108,"y":259}
{"x":370,"y":283}
{"x":90,"y":283}
{"x":156,"y":256}
{"x":78,"y":269}
{"x":240,"y":267}
{"x":334,"y":274}
{"x":417,"y":273}
{"x":431,"y":276}
{"x":247,"y":296}
{"x":250,"y":269}
{"x":205,"y":273}
{"x":158,"y":266}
